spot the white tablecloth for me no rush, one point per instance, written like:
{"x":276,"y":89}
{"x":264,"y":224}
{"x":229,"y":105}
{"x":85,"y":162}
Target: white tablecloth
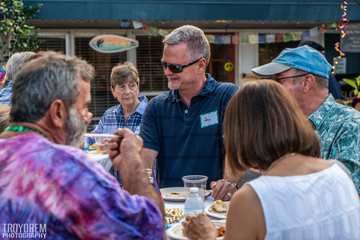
{"x":180,"y":205}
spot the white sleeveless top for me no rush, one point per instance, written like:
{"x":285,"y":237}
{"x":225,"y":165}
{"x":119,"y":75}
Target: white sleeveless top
{"x":323,"y":205}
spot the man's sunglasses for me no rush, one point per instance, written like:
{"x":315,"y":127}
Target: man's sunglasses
{"x":177,"y":68}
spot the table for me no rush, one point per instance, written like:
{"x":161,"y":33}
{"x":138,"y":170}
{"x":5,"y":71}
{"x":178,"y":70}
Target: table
{"x":170,"y":204}
{"x":209,"y":200}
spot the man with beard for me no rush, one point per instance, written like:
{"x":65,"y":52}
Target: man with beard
{"x":42,"y":181}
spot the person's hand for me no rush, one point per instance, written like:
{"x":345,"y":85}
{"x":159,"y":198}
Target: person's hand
{"x":114,"y":146}
{"x":199,"y":227}
{"x":223,"y":189}
{"x":125,"y":147}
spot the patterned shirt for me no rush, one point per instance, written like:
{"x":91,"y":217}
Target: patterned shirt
{"x":338,"y":127}
{"x":72,"y":191}
{"x":6,"y":92}
{"x":113,"y":118}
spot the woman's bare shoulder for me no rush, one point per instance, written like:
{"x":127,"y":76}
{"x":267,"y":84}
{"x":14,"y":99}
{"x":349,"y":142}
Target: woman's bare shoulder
{"x":245,"y":215}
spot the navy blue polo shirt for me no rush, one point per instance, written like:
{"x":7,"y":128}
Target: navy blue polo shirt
{"x":188,"y":139}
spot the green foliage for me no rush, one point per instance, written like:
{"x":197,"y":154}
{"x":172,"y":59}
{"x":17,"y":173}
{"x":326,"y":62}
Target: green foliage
{"x":354,"y":83}
{"x":15,"y":33}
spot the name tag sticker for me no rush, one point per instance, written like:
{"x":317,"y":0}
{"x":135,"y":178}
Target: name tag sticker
{"x":209,"y":119}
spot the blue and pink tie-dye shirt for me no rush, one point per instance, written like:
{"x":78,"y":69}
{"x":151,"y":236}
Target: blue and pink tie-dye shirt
{"x":60,"y":181}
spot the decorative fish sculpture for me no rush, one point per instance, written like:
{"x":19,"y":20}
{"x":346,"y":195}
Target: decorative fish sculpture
{"x":112,"y":43}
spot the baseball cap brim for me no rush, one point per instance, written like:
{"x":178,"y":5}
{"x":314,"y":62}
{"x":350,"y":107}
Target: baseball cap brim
{"x":270,"y":69}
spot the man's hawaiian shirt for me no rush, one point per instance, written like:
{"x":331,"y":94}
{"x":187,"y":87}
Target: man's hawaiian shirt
{"x":338,"y":127}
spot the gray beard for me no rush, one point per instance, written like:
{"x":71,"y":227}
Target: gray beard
{"x":75,"y":128}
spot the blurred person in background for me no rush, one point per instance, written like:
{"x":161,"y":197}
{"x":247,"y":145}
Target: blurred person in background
{"x":299,"y":195}
{"x":58,"y":185}
{"x":2,"y":76}
{"x":13,"y":66}
{"x":4,"y":117}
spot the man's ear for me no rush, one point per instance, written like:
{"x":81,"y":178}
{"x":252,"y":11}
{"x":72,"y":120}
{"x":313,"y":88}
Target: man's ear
{"x":202,"y":65}
{"x":58,"y":113}
{"x":309,"y":82}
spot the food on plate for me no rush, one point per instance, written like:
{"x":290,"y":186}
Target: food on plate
{"x":220,"y":231}
{"x":99,"y":148}
{"x":173,"y":215}
{"x":178,"y":194}
{"x":220,"y":206}
{"x":175,"y":195}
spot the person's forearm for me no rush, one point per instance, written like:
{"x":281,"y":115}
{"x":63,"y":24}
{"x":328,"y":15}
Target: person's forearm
{"x":136,"y":181}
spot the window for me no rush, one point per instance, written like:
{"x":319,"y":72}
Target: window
{"x":269,"y":51}
{"x":148,"y":59}
{"x":101,"y":95}
{"x":52,"y":44}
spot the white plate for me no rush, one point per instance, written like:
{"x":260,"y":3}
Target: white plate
{"x":215,"y":214}
{"x":176,"y":231}
{"x":177,"y":194}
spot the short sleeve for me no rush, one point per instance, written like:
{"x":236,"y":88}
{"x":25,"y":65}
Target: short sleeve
{"x":149,"y":130}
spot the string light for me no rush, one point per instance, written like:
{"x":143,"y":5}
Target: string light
{"x":344,"y":21}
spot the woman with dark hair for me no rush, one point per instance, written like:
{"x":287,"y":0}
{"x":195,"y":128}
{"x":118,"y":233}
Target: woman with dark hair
{"x":299,"y":195}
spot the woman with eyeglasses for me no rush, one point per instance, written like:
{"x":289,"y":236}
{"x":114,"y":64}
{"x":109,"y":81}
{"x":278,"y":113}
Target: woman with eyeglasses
{"x":299,"y":195}
{"x":128,"y":113}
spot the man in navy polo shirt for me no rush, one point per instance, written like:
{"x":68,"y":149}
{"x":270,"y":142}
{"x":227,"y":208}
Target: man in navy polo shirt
{"x":182,"y":128}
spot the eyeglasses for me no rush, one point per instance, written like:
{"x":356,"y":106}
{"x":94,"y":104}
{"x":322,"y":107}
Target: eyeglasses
{"x":177,"y":68}
{"x":131,"y":86}
{"x":286,"y":77}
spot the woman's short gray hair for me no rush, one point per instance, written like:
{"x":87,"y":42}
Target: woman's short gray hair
{"x":195,"y":39}
{"x":41,"y":81}
{"x":15,"y":62}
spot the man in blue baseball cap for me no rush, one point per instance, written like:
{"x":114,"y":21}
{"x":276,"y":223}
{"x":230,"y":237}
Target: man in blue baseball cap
{"x":304,"y":71}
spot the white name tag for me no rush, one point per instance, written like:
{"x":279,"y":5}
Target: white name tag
{"x":209,"y":119}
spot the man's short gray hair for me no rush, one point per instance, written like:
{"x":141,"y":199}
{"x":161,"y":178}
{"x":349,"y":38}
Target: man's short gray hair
{"x":15,"y":62}
{"x":195,"y":39}
{"x":43,"y":80}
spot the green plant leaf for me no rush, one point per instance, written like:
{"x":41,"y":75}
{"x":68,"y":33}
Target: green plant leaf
{"x":350,"y":82}
{"x":14,"y":26}
{"x":358,"y":81}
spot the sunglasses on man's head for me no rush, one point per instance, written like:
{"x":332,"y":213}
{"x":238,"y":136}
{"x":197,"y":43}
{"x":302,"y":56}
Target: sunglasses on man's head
{"x":177,"y":68}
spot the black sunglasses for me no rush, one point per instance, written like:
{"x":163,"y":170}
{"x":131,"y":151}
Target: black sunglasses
{"x":177,"y":68}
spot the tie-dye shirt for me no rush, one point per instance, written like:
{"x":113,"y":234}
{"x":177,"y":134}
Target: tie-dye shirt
{"x":80,"y":195}
{"x":338,"y":127}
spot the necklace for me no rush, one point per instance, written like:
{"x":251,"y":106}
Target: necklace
{"x":277,"y":161}
{"x":20,"y":128}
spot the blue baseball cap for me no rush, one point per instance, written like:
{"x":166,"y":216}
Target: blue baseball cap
{"x":302,"y":58}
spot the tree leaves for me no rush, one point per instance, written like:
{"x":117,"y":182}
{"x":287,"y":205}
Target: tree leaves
{"x":15,"y":33}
